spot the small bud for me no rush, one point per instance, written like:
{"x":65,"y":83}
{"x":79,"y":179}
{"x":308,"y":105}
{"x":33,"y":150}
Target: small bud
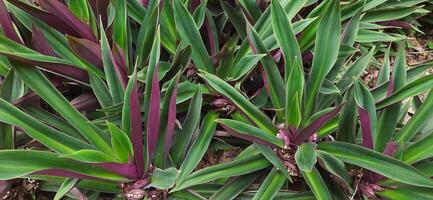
{"x":135,"y":194}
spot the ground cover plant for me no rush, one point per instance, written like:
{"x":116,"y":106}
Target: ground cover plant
{"x":190,"y":99}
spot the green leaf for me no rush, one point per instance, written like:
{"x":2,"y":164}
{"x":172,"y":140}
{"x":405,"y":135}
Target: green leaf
{"x":90,"y":156}
{"x":113,"y":81}
{"x":365,"y":101}
{"x":274,"y":159}
{"x":66,"y":186}
{"x":163,"y":179}
{"x":407,"y":192}
{"x":190,"y":34}
{"x":199,"y":147}
{"x":19,"y":163}
{"x":368,"y":36}
{"x":270,"y":186}
{"x":335,"y":166}
{"x":294,"y":95}
{"x":228,"y":169}
{"x":258,"y":117}
{"x":325,"y":53}
{"x":409,"y":90}
{"x":316,"y":184}
{"x":235,"y":187}
{"x":285,"y":37}
{"x":120,"y":26}
{"x":100,"y":90}
{"x":10,"y":89}
{"x":389,"y":118}
{"x":306,"y":157}
{"x":346,"y":130}
{"x":200,"y":13}
{"x":244,"y":66}
{"x":42,"y":86}
{"x":122,"y":146}
{"x":355,"y":70}
{"x":250,"y":131}
{"x":273,"y":78}
{"x":147,"y":31}
{"x":376,"y":162}
{"x":183,"y":138}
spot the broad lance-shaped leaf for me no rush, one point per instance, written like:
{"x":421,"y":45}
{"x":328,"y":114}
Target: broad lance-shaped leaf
{"x":285,"y":38}
{"x":258,"y":117}
{"x":249,"y":132}
{"x":87,"y":50}
{"x":367,"y":114}
{"x":306,"y":156}
{"x":6,"y":23}
{"x":325,"y":53}
{"x":190,"y":34}
{"x":41,"y":45}
{"x":388,"y":119}
{"x":147,"y":32}
{"x":409,"y":90}
{"x":271,"y":185}
{"x":152,"y":99}
{"x":294,"y":95}
{"x":419,"y":150}
{"x":19,"y":163}
{"x":167,"y":123}
{"x":42,"y":86}
{"x":272,"y":79}
{"x":312,"y":128}
{"x":11,"y":88}
{"x":131,"y":122}
{"x":120,"y":25}
{"x":48,"y":136}
{"x":62,"y":12}
{"x":199,"y":147}
{"x":121,"y":143}
{"x":47,"y":17}
{"x":233,"y":168}
{"x":183,"y":138}
{"x":66,"y":186}
{"x":348,"y":118}
{"x":376,"y":162}
{"x":233,"y":188}
{"x":316,"y":184}
{"x":115,"y":79}
{"x":416,"y":122}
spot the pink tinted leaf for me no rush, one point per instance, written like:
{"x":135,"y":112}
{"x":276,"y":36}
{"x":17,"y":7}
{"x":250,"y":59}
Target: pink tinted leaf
{"x":40,"y":44}
{"x":87,"y":50}
{"x":171,"y":121}
{"x":99,"y":8}
{"x":60,"y":10}
{"x":154,"y":115}
{"x":121,"y":72}
{"x":136,"y":133}
{"x":31,"y":96}
{"x":308,"y":131}
{"x":367,"y":138}
{"x":6,"y":23}
{"x":52,"y":20}
{"x":247,"y":137}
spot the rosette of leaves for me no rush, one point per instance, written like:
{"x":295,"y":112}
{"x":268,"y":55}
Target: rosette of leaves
{"x":92,"y":91}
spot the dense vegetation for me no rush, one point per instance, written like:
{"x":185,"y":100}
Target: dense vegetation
{"x":190,"y":99}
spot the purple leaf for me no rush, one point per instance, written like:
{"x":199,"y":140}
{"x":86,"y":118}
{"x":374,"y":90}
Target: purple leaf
{"x":99,"y":8}
{"x":136,"y":129}
{"x":121,"y":73}
{"x":120,"y":59}
{"x":154,"y":115}
{"x":84,"y":102}
{"x":367,"y":138}
{"x":40,"y":44}
{"x":391,"y":148}
{"x":5,"y":186}
{"x":52,"y":20}
{"x":62,"y":70}
{"x":308,"y":131}
{"x":400,"y":24}
{"x":307,"y":57}
{"x":145,"y":3}
{"x":61,"y":11}
{"x":247,"y":137}
{"x":77,"y":193}
{"x":171,"y":120}
{"x":128,"y":170}
{"x":390,"y":86}
{"x":6,"y":23}
{"x":87,"y":50}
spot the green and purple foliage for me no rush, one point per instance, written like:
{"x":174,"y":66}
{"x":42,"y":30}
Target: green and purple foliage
{"x":125,"y":99}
